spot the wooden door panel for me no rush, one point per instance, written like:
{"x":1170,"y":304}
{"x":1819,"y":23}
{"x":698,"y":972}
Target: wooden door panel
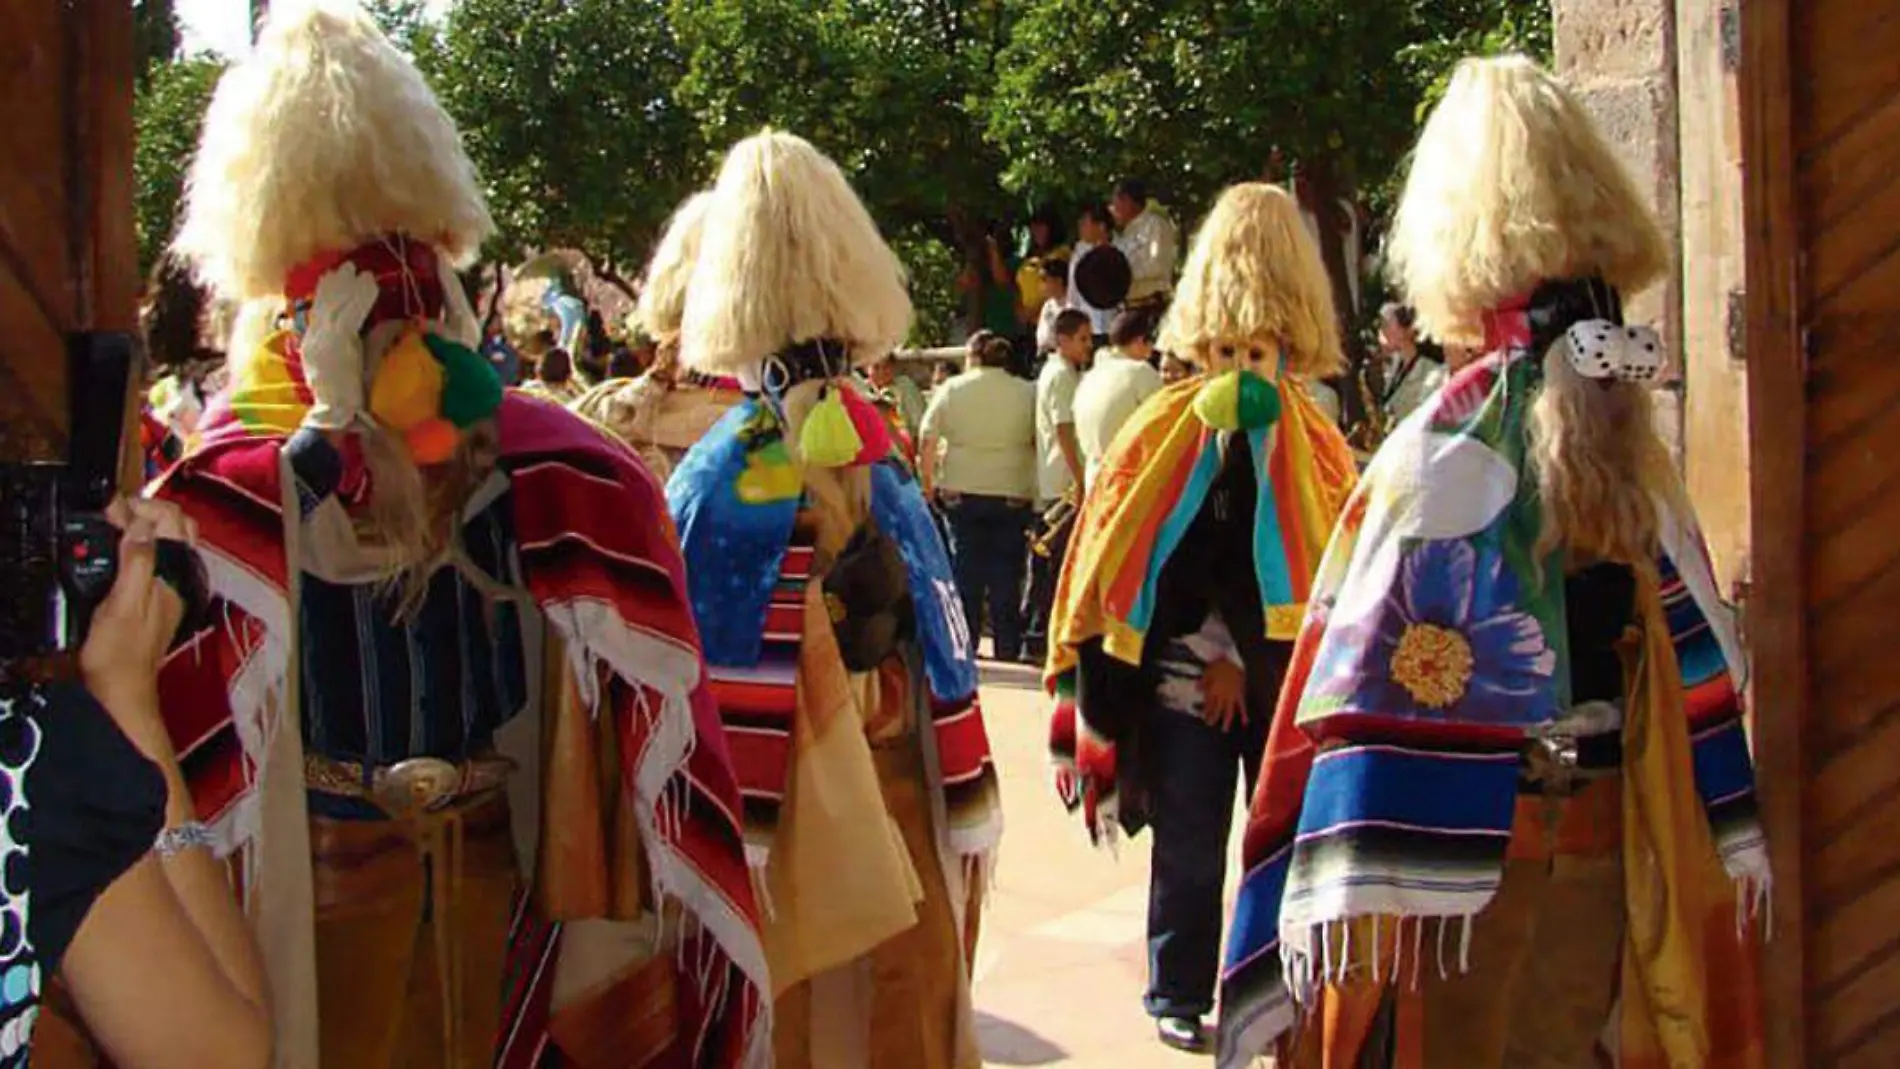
{"x":1823,"y":206}
{"x":67,"y":250}
{"x":1845,"y":50}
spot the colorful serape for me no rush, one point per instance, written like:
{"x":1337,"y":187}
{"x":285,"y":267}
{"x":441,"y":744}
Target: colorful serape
{"x":1152,"y":484}
{"x":736,"y":496}
{"x":1433,"y":643}
{"x":600,"y":558}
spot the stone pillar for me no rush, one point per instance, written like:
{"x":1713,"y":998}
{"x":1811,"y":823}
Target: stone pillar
{"x":1620,"y":57}
{"x":1655,"y":78}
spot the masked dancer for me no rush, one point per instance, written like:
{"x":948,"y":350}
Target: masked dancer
{"x":1190,"y":568}
{"x":668,"y":408}
{"x":449,"y":715}
{"x":842,"y":665}
{"x":1507,"y":817}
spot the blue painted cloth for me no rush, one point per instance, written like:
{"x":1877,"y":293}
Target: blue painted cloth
{"x":735,"y":497}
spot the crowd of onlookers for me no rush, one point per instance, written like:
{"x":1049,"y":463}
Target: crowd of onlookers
{"x":1008,"y":444}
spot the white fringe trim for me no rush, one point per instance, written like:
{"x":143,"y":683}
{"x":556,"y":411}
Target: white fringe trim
{"x":595,"y":633}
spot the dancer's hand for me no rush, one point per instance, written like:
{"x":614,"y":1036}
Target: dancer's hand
{"x":1224,"y":694}
{"x":332,"y":346}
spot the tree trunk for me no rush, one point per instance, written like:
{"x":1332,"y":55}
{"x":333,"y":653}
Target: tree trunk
{"x":1324,"y":188}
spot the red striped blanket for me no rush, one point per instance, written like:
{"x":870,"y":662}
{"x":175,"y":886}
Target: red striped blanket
{"x":602,"y":561}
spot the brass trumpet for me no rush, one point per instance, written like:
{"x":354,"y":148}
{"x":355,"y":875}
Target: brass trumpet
{"x":1055,"y":521}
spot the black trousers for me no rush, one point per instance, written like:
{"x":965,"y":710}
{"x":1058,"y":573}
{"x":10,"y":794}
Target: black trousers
{"x":1044,"y":574}
{"x":989,"y":551}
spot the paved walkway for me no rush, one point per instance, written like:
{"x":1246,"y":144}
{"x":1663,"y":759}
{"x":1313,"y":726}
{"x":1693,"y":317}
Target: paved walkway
{"x":1062,"y":962}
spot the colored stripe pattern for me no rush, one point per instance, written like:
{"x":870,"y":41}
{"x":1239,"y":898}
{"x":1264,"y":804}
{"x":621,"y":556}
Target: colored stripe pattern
{"x":590,"y":537}
{"x":1152,"y":484}
{"x":1374,"y":800}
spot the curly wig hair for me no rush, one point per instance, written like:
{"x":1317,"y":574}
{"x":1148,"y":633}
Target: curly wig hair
{"x":1254,"y":281}
{"x":1512,"y":184}
{"x":324,"y":137}
{"x":788,"y":254}
{"x":662,"y":303}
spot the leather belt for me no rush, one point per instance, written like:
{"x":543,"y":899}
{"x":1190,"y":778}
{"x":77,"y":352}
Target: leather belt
{"x":414,"y":785}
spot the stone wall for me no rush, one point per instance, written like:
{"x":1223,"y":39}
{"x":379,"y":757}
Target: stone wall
{"x":1620,"y":57}
{"x":1653,"y":76}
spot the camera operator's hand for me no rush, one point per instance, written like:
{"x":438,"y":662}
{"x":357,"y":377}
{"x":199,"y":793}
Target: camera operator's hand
{"x":332,"y":346}
{"x":133,"y":627}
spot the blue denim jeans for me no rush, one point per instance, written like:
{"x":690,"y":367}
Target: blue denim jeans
{"x":989,"y":549}
{"x":1189,"y":769}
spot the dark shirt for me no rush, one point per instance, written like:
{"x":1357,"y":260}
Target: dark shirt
{"x":81,"y":806}
{"x":1210,"y":571}
{"x":377,"y":688}
{"x":1599,"y":604}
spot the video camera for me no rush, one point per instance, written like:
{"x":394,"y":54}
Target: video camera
{"x":58,"y":552}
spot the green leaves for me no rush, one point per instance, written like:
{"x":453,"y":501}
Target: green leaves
{"x":590,"y":120}
{"x":167,"y":113}
{"x":567,"y":110}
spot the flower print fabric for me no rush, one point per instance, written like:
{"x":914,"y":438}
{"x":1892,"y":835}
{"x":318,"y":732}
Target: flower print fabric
{"x":1448,"y":641}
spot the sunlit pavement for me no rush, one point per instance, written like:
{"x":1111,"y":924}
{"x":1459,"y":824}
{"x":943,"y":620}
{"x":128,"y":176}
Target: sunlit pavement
{"x":1061,"y":965}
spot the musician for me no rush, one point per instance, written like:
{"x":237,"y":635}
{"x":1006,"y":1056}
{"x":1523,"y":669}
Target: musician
{"x":1093,"y":231}
{"x":1150,"y":242}
{"x":1059,"y":471}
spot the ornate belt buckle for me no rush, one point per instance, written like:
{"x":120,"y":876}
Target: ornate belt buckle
{"x":417,"y":784}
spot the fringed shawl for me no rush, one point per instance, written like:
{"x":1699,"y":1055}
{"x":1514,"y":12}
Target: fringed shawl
{"x":1153,"y":482}
{"x":1434,"y":641}
{"x":736,"y":496}
{"x":601,"y":561}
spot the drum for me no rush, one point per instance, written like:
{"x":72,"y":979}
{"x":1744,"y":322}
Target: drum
{"x":1102,"y":276}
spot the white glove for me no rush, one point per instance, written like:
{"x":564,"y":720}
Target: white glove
{"x":333,"y":346}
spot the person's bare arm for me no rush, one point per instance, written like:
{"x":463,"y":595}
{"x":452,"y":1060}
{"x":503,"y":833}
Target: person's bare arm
{"x":1071,"y":453}
{"x":927,"y":464}
{"x":163,"y":967}
{"x":148,"y":977}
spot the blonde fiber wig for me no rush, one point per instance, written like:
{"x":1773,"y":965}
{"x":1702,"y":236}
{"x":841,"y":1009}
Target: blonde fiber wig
{"x":1253,"y":281}
{"x":1512,"y":184}
{"x":663,"y":296}
{"x":789,"y":254}
{"x":324,"y":137}
{"x":1602,"y":468}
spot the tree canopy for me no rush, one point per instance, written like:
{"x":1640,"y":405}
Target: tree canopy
{"x":167,"y":114}
{"x":567,"y":110}
{"x":591,"y":119}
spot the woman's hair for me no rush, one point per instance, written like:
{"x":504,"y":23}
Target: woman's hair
{"x":325,"y":136}
{"x":663,"y":295}
{"x":1047,"y":216}
{"x":1511,"y":185}
{"x":175,"y":316}
{"x":556,"y":366}
{"x":789,"y":254}
{"x":1600,"y":465}
{"x":1254,"y":279}
{"x":990,"y":349}
{"x":1399,"y":313}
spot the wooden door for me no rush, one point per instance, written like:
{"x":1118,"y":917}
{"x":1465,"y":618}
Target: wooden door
{"x":68,"y":258}
{"x":1821,"y":112}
